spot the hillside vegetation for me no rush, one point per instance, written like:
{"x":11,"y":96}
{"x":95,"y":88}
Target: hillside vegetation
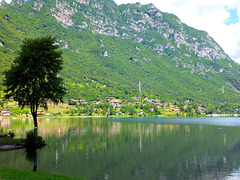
{"x":108,"y":49}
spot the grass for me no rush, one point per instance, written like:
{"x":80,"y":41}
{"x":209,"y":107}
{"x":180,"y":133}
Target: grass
{"x":9,"y":141}
{"x":6,"y":174}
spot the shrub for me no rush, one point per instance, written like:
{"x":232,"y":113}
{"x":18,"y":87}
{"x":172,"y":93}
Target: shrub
{"x":11,"y":134}
{"x":33,"y":140}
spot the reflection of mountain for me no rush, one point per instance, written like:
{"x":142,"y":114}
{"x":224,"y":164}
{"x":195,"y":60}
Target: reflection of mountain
{"x":99,"y":148}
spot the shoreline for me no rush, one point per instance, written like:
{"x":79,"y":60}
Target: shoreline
{"x":7,"y":143}
{"x":8,"y":147}
{"x":114,"y":116}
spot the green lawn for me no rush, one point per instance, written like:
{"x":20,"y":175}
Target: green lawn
{"x":8,"y":141}
{"x":6,"y":174}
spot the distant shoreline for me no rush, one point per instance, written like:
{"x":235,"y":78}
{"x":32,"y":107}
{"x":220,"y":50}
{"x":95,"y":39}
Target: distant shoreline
{"x":113,"y":116}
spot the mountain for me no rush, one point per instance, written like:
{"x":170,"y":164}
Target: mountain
{"x":108,"y":49}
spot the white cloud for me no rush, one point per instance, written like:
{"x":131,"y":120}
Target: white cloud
{"x":8,"y":1}
{"x":207,"y":15}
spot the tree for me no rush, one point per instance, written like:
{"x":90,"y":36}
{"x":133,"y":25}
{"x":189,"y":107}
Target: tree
{"x":131,"y":110}
{"x":33,"y":77}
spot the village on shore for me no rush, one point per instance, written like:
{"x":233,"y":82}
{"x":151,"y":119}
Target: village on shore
{"x":112,"y":107}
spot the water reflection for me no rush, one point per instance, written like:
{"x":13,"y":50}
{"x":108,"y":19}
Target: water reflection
{"x":131,"y":149}
{"x":5,"y":123}
{"x":31,"y":155}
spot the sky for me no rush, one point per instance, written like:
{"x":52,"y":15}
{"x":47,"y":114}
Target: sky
{"x":220,"y":18}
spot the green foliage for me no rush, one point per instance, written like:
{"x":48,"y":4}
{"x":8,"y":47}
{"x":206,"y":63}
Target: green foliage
{"x":33,"y":78}
{"x":19,"y":111}
{"x":33,"y":140}
{"x":11,"y":134}
{"x":9,"y":141}
{"x":7,"y":174}
{"x":90,"y":75}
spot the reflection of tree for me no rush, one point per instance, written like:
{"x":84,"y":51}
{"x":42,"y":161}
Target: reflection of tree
{"x":139,"y":150}
{"x":31,"y":155}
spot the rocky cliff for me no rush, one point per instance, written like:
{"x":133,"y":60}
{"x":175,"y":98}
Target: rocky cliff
{"x":161,"y":32}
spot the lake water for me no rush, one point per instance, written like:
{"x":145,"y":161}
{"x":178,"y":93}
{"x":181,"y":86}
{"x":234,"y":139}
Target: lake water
{"x":131,"y":148}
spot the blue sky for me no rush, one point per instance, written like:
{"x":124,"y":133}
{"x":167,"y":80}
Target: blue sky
{"x":233,"y":19}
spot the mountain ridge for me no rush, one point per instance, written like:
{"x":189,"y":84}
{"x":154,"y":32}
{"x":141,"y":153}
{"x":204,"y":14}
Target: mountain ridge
{"x":104,"y":43}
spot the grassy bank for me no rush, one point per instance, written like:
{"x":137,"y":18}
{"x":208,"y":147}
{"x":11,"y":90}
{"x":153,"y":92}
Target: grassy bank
{"x":11,"y":141}
{"x":7,"y":174}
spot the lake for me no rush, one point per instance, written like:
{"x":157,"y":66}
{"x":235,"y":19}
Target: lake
{"x":131,"y":148}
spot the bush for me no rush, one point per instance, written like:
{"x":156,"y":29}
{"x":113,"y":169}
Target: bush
{"x":11,"y":134}
{"x":33,"y":140}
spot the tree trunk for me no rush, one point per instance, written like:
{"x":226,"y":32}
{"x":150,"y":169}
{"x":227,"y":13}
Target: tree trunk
{"x":35,"y":163}
{"x":34,"y":114}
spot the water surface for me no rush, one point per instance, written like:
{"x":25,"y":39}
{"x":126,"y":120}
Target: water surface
{"x":132,"y":148}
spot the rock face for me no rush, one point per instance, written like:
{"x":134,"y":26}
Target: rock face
{"x":62,"y":13}
{"x":163,"y":33}
{"x":38,"y":5}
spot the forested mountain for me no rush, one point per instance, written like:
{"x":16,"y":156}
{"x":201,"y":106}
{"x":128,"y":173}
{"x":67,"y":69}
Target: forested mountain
{"x":108,"y":49}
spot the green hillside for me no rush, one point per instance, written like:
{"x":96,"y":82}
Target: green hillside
{"x":108,"y":49}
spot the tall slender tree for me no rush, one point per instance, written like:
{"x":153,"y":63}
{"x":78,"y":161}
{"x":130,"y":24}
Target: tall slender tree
{"x":33,"y":78}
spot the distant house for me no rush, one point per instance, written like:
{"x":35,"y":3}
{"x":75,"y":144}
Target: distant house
{"x":82,"y":101}
{"x":98,"y":102}
{"x":147,"y":100}
{"x":6,"y":112}
{"x":136,"y":98}
{"x":109,"y":98}
{"x":177,"y":110}
{"x":201,"y":110}
{"x":115,"y":104}
{"x":40,"y":112}
{"x":119,"y":112}
{"x":151,"y":100}
{"x":140,"y":112}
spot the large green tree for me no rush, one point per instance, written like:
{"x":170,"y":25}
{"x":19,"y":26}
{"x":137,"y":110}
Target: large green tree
{"x":33,"y":77}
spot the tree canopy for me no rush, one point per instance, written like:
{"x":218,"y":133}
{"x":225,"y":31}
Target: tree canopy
{"x":33,"y":77}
